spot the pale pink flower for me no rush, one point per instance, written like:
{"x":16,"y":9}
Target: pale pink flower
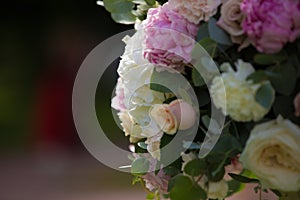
{"x":169,"y":38}
{"x":270,"y":24}
{"x":118,"y":100}
{"x":195,"y":10}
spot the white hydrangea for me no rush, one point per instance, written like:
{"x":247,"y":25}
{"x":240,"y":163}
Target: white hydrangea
{"x":135,"y":72}
{"x":238,"y":98}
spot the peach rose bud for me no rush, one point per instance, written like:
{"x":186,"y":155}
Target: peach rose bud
{"x":184,"y":113}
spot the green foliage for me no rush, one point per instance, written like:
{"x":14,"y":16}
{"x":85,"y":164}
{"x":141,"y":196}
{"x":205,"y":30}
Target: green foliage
{"x":278,"y":76}
{"x":198,"y":81}
{"x":218,"y":34}
{"x":265,"y":95}
{"x":234,"y":186}
{"x":140,"y":166}
{"x":182,"y":187}
{"x":118,"y":6}
{"x":268,"y":59}
{"x":124,"y":18}
{"x":195,"y":167}
{"x":243,"y":179}
{"x":127,"y":11}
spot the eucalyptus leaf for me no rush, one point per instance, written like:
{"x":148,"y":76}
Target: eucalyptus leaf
{"x":268,"y":59}
{"x":218,"y":34}
{"x":195,"y":167}
{"x":258,"y":76}
{"x":140,"y":166}
{"x":202,"y":32}
{"x":209,"y":45}
{"x":197,"y":78}
{"x":265,"y":95}
{"x":124,"y":18}
{"x":278,"y":76}
{"x":143,"y":145}
{"x":118,"y":6}
{"x":182,"y":187}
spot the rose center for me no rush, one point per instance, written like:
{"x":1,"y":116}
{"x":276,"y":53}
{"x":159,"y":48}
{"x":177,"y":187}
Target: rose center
{"x":276,"y":156}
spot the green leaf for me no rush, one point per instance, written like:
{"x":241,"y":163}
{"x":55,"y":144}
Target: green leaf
{"x":166,"y":82}
{"x":124,"y":18}
{"x":140,"y":166}
{"x":278,"y":76}
{"x":234,"y":186}
{"x":258,"y":76}
{"x":195,"y":167}
{"x":243,"y":179}
{"x":150,"y":2}
{"x":143,"y":145}
{"x":209,"y":45}
{"x":227,"y":144}
{"x":218,"y":34}
{"x":217,"y":173}
{"x":171,"y":171}
{"x":268,"y":59}
{"x":202,"y":32}
{"x":118,"y":6}
{"x":265,"y":95}
{"x":182,"y":188}
{"x":197,"y":78}
{"x":150,"y":196}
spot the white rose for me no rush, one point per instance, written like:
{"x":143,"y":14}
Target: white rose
{"x":272,"y":153}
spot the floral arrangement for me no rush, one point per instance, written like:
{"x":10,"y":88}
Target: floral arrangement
{"x":247,"y":70}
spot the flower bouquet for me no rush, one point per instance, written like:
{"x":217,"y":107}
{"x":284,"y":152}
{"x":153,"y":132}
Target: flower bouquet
{"x":208,"y":94}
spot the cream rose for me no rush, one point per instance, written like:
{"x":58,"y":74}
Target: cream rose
{"x":171,"y":117}
{"x":231,"y":21}
{"x":164,"y":117}
{"x":184,"y":113}
{"x":130,"y":127}
{"x":272,"y":153}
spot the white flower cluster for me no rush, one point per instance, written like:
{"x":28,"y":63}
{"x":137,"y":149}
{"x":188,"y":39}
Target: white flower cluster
{"x":238,"y":98}
{"x":142,"y":112}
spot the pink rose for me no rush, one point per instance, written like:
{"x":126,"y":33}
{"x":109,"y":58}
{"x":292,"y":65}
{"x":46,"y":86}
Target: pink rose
{"x":155,"y":181}
{"x":169,"y":38}
{"x":231,"y":21}
{"x":270,"y":24}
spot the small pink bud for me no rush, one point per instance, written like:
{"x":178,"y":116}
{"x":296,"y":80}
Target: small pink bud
{"x":297,"y":105}
{"x":184,"y":113}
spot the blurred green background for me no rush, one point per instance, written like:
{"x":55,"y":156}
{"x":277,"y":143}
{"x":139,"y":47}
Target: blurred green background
{"x":42,"y":45}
